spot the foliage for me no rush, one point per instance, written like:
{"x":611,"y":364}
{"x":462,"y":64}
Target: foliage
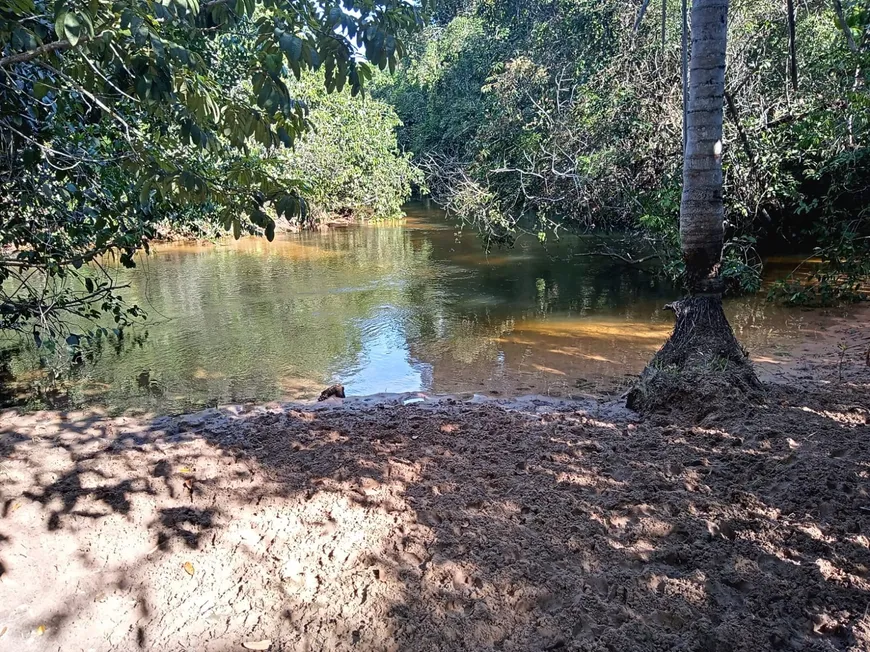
{"x":563,"y":110}
{"x":350,"y":159}
{"x":117,"y":116}
{"x":839,"y":268}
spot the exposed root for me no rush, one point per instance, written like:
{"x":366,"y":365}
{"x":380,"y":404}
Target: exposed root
{"x":701,"y":361}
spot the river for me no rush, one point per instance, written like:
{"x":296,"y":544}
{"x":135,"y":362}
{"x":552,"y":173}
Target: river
{"x":396,"y":307}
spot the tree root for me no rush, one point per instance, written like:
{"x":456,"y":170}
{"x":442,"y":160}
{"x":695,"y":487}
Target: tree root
{"x":701,"y":364}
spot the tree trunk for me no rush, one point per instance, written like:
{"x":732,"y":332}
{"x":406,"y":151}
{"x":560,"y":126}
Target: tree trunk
{"x":702,"y":358}
{"x":847,"y":31}
{"x":701,"y":210}
{"x":684,"y":66}
{"x":792,"y":46}
{"x":664,"y":23}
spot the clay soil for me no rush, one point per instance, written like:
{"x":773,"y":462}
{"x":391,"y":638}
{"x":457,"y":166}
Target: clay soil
{"x":523,"y":525}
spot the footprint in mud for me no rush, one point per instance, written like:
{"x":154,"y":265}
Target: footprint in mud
{"x":726,"y":595}
{"x":600,"y":585}
{"x":723,"y":529}
{"x":667,"y":619}
{"x":674,"y":469}
{"x":460,"y":580}
{"x":550,"y":602}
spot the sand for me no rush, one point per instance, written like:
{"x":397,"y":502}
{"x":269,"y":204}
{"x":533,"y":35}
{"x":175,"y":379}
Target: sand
{"x":444,"y":524}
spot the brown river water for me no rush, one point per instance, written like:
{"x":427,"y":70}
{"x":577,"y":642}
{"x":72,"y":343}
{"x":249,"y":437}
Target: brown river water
{"x":411,"y":306}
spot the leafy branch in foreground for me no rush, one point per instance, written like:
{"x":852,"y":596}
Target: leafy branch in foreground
{"x":117,"y":116}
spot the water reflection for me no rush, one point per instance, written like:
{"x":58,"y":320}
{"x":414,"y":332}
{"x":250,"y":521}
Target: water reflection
{"x":396,"y":307}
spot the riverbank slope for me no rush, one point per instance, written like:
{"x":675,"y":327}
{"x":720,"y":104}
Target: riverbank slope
{"x":442,"y":524}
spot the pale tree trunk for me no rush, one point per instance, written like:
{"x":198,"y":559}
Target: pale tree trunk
{"x":702,"y":211}
{"x":701,"y":362}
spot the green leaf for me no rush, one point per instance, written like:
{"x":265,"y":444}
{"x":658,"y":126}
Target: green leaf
{"x":72,"y":28}
{"x":295,"y":51}
{"x":292,"y":46}
{"x":59,"y":23}
{"x":40,"y":90}
{"x":335,"y":16}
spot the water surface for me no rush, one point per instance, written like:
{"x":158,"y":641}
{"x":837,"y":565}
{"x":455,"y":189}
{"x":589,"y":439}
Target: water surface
{"x":393,"y":307}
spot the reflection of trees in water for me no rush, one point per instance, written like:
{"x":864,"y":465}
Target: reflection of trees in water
{"x":759,"y":323}
{"x":253,"y":320}
{"x":235,"y":323}
{"x":479,"y":319}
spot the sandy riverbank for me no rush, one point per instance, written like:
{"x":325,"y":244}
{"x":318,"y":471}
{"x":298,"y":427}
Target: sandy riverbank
{"x":447,"y":524}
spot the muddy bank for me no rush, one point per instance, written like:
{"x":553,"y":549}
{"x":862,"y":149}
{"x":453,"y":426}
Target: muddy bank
{"x":441,"y":525}
{"x":834,"y":347}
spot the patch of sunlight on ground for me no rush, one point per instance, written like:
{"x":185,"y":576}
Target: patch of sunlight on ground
{"x":549,"y":370}
{"x":294,"y":387}
{"x":574,"y":351}
{"x":764,"y":359}
{"x":202,"y":374}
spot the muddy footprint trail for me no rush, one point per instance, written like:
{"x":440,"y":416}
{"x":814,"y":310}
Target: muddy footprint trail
{"x":439,"y":526}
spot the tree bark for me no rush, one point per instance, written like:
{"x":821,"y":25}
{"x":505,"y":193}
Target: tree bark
{"x":664,"y":23}
{"x":684,"y":56}
{"x":702,"y":360}
{"x":792,"y":46}
{"x":702,"y":210}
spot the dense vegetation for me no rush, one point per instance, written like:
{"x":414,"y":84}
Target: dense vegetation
{"x":570,"y":111}
{"x":350,"y":160}
{"x":117,"y":118}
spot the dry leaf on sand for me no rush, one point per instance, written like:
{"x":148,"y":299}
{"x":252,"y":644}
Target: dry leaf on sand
{"x":188,"y":567}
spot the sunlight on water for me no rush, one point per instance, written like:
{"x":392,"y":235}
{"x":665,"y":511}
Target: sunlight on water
{"x":281,"y":247}
{"x":387,"y":308}
{"x":596,"y":329}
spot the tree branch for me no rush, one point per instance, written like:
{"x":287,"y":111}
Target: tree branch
{"x":792,"y":45}
{"x":735,"y":118}
{"x":48,"y":48}
{"x":641,"y":14}
{"x":847,"y":31}
{"x":29,"y":55}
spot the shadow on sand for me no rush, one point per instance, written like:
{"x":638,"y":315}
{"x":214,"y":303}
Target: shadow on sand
{"x":440,"y":526}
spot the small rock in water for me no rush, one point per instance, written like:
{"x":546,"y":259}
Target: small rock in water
{"x":336,"y":391}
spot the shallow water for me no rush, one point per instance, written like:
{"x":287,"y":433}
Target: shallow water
{"x":394,"y":307}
